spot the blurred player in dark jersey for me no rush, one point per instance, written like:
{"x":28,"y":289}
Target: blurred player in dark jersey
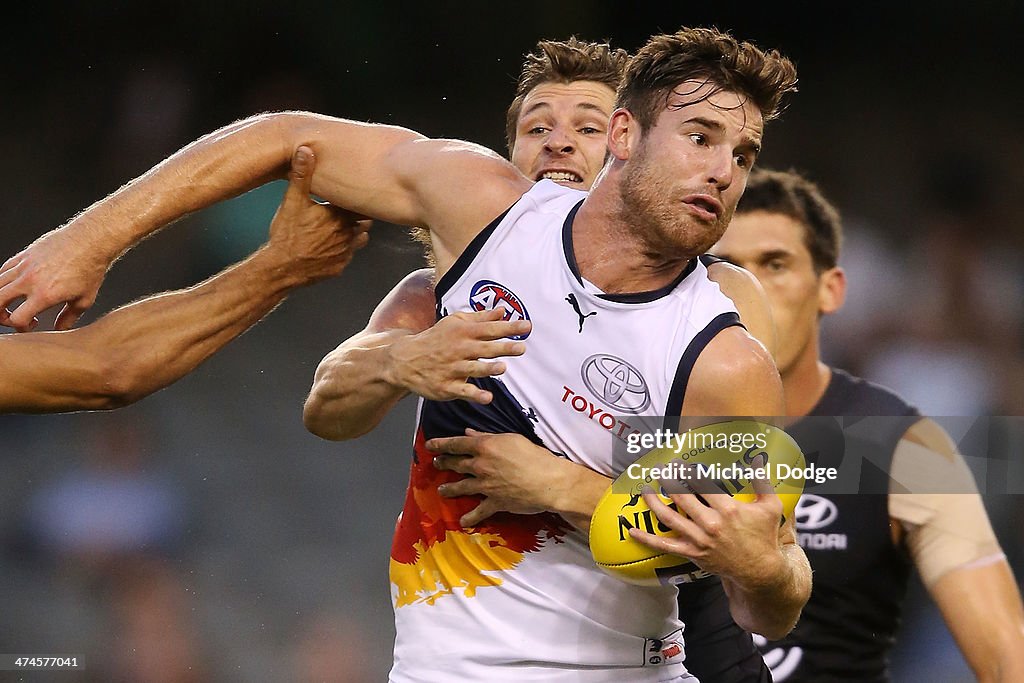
{"x":863,"y":547}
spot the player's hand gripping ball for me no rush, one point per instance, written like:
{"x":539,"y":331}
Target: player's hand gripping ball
{"x":721,"y":457}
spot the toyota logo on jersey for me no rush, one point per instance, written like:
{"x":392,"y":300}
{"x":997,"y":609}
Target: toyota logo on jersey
{"x":616,"y":383}
{"x":487,"y":295}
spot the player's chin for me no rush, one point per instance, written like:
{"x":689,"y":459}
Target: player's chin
{"x":686,"y":240}
{"x":699,"y":235}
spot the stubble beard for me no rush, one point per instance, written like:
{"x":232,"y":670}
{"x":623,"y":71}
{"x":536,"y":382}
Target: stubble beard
{"x":654,"y":215}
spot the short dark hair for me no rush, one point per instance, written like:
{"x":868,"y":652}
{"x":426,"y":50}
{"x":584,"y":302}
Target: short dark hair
{"x":564,"y":61}
{"x":793,"y":195}
{"x":709,"y":54}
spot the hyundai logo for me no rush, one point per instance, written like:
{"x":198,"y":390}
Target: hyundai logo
{"x":616,"y":383}
{"x":815,"y":512}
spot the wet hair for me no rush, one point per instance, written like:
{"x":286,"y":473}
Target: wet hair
{"x":708,"y":55}
{"x":793,"y":195}
{"x":564,"y":61}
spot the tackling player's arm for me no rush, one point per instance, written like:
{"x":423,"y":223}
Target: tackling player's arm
{"x":516,"y":475}
{"x":763,"y":570}
{"x":453,"y":188}
{"x":402,"y":351}
{"x":351,"y":390}
{"x":142,"y":347}
{"x":954,"y":548}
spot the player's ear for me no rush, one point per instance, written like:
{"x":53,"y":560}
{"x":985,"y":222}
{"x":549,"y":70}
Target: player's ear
{"x":831,"y":290}
{"x":623,"y":134}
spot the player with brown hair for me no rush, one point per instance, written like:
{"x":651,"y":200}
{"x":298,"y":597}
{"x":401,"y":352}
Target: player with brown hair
{"x":503,"y":240}
{"x":556,"y":129}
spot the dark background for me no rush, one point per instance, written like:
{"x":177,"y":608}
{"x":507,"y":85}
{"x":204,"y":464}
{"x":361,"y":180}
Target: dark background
{"x":257,"y":551}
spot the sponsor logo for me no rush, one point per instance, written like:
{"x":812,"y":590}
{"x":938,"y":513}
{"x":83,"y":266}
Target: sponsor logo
{"x":571,"y":298}
{"x":581,"y":404}
{"x":822,"y":541}
{"x":782,"y":661}
{"x":815,"y":512}
{"x":664,"y":650}
{"x":616,"y":383}
{"x":684,"y":573}
{"x":486,"y":295}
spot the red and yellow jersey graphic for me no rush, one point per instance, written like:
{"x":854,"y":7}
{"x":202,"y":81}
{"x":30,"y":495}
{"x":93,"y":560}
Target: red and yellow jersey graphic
{"x":432,"y":555}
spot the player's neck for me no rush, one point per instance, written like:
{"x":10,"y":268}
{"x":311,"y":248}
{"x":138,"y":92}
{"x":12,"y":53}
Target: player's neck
{"x":805,"y":381}
{"x":611,"y":254}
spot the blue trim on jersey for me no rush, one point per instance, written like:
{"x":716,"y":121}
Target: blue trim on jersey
{"x":628,"y":298}
{"x":645,"y":297}
{"x":711,"y":259}
{"x":503,"y":415}
{"x":570,"y":255}
{"x":462,"y":263}
{"x":674,"y":407}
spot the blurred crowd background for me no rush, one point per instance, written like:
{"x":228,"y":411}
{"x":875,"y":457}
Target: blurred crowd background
{"x":203,"y":534}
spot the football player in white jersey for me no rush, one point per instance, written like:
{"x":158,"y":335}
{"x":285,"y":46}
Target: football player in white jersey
{"x":689,"y":125}
{"x":556,"y":129}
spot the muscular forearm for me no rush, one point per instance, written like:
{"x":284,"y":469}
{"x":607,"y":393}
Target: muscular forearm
{"x":769,"y":602}
{"x":151,"y":343}
{"x":512,"y":474}
{"x":356,"y":170}
{"x":221,"y":165}
{"x":352,"y":390}
{"x":981,"y":604}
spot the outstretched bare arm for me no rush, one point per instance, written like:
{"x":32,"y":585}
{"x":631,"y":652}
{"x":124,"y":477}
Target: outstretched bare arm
{"x":142,"y":347}
{"x":453,"y":188}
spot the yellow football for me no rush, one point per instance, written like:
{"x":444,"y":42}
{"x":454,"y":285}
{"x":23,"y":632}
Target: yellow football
{"x":722,"y":457}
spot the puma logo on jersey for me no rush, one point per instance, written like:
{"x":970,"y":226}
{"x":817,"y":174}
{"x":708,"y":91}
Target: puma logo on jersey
{"x":576,"y":307}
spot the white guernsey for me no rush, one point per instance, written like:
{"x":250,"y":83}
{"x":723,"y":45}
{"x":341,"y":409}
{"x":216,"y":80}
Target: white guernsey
{"x":519,"y":597}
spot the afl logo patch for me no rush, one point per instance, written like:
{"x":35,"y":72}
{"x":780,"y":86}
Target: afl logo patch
{"x":616,"y":383}
{"x":487,"y":295}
